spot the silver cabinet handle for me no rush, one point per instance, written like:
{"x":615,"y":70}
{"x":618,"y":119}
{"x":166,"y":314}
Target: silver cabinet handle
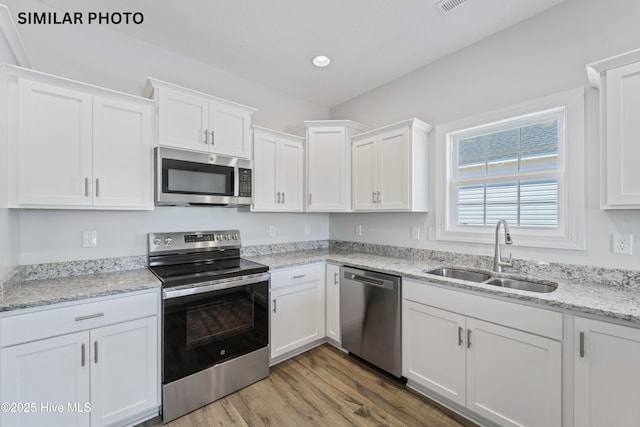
{"x":275,"y":308}
{"x":299,"y":276}
{"x":374,"y":197}
{"x":89,"y":316}
{"x":97,"y":187}
{"x":309,"y":198}
{"x":335,"y":278}
{"x":283,"y":197}
{"x":459,"y":335}
{"x":278,"y":201}
{"x":206,"y":137}
{"x":468,"y":338}
{"x":213,"y":138}
{"x":581,"y":344}
{"x":82,"y":363}
{"x":379,"y":196}
{"x":86,"y":187}
{"x":95,"y":348}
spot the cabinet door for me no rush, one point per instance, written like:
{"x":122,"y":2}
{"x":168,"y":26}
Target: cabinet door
{"x":364,"y":172}
{"x":607,"y":373}
{"x":297,"y":317}
{"x":124,"y":370}
{"x":183,"y":121}
{"x":434,"y":349}
{"x":393,"y":170}
{"x":53,"y":374}
{"x":622,"y":135}
{"x":328,"y":182}
{"x":122,"y":153}
{"x":265,"y":176}
{"x":54,"y":145}
{"x":332,"y":285}
{"x":231,"y":131}
{"x":290,"y":181}
{"x":513,"y":378}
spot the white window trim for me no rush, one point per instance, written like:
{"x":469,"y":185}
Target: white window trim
{"x":571,"y":231}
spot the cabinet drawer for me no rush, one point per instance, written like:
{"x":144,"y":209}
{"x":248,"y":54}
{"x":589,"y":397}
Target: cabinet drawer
{"x":297,"y":275}
{"x":59,"y":321}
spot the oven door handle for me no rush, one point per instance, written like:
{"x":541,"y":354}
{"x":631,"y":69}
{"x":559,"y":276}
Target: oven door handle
{"x":245,"y":280}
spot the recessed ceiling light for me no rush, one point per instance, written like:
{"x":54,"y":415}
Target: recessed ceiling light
{"x":321,"y":61}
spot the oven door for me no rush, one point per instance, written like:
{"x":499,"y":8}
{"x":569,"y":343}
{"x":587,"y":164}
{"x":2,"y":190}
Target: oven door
{"x":217,"y":324}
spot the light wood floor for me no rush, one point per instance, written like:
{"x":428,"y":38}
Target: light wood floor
{"x":322,"y":387}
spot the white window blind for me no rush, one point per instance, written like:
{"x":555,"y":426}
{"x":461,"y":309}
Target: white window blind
{"x":509,"y":170}
{"x":523,"y":163}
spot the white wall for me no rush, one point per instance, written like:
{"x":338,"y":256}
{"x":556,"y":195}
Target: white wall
{"x":57,"y":235}
{"x":107,"y":58}
{"x":543,"y":55}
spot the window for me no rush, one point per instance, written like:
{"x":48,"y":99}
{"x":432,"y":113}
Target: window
{"x":522,"y":164}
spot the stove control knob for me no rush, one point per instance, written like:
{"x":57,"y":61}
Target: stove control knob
{"x":157,"y":241}
{"x":167,"y":241}
{"x":218,"y":237}
{"x":227,"y":236}
{"x":235,"y":236}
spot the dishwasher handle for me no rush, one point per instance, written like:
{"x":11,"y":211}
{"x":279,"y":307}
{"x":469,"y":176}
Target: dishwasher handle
{"x":381,"y":283}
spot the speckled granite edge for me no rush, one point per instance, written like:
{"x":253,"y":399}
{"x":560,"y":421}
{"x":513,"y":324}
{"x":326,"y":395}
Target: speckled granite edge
{"x":7,"y":280}
{"x":275,"y":248}
{"x":552,"y":271}
{"x":79,"y":268}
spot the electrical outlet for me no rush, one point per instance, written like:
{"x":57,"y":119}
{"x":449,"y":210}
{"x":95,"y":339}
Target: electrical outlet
{"x":272,"y":231}
{"x":415,"y":233}
{"x":307,"y":229}
{"x":89,"y":239}
{"x":358,"y":230}
{"x":622,"y":244}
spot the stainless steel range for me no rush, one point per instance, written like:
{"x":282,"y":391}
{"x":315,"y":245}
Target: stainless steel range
{"x":215,"y":332}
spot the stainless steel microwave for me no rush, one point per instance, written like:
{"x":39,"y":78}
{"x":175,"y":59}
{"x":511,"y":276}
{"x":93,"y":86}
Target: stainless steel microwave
{"x":189,"y":178}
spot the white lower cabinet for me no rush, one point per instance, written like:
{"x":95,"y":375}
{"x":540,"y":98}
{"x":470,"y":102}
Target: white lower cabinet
{"x":607,"y":373}
{"x":297,"y":308}
{"x":487,"y":364}
{"x":99,"y":376}
{"x":333,"y":303}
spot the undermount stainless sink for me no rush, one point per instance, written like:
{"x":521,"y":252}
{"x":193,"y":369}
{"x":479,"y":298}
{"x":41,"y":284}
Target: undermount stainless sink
{"x":477,"y":277}
{"x":455,"y":273}
{"x":523,"y":285}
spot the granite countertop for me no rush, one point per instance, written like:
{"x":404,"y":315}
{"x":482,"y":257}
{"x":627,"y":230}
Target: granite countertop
{"x":613,"y":294}
{"x":600,"y":299}
{"x":20,"y":294}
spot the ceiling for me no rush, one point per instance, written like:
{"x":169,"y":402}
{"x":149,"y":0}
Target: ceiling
{"x":370,"y":42}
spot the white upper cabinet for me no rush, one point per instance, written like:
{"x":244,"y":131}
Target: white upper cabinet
{"x":618,"y":79}
{"x":328,"y":163}
{"x":278,"y":171}
{"x":78,"y":146}
{"x":389,"y":168}
{"x":196,"y":121}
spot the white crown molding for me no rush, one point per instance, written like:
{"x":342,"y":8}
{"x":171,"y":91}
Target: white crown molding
{"x":11,"y":38}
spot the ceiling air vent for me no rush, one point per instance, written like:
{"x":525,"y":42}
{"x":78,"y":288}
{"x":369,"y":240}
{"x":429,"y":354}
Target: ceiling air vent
{"x":447,"y":6}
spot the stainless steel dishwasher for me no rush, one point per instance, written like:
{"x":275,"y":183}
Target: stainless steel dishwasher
{"x":370,"y":317}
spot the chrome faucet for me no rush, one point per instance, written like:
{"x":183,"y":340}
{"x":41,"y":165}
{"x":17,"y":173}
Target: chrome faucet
{"x":498,"y":263}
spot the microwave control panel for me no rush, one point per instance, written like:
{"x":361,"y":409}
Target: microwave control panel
{"x":244,"y":181}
